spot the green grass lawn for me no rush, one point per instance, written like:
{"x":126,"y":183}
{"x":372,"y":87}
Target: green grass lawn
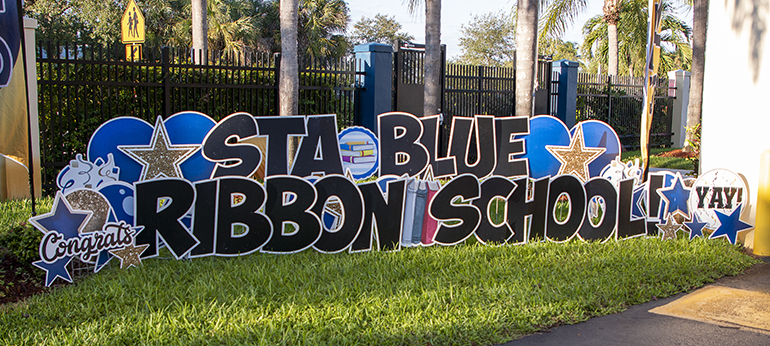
{"x":657,"y":161}
{"x":467,"y":294}
{"x":16,"y":211}
{"x":470,"y":294}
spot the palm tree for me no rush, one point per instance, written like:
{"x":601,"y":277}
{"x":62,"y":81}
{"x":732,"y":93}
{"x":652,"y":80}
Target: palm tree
{"x":611,"y":11}
{"x":231,"y":25}
{"x":699,"y":25}
{"x":288,"y":85}
{"x":433,"y":59}
{"x":322,"y":24}
{"x":556,"y":17}
{"x":632,"y":40}
{"x":199,"y":25}
{"x":526,"y":51}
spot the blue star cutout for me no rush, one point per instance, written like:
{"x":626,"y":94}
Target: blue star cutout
{"x":102,"y":259}
{"x":676,"y":196}
{"x":695,"y":227}
{"x":730,"y":225}
{"x":61,"y":219}
{"x":55,"y":270}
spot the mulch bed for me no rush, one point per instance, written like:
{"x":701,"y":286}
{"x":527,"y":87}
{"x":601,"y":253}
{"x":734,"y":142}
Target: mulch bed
{"x":17,"y":280}
{"x":677,"y":153}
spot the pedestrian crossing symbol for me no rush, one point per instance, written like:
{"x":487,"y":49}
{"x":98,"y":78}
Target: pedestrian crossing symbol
{"x":132,"y":24}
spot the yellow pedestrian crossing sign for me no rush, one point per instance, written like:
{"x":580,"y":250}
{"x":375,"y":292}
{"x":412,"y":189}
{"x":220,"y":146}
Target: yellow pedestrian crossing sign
{"x":132,"y":24}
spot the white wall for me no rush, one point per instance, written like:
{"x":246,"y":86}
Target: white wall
{"x":736,"y":96}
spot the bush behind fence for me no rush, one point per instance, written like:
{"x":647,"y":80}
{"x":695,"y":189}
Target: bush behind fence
{"x":618,"y":101}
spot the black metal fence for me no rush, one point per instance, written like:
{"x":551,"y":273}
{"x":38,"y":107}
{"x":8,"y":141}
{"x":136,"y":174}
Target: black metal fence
{"x":81,"y":86}
{"x":618,"y":101}
{"x":470,"y":90}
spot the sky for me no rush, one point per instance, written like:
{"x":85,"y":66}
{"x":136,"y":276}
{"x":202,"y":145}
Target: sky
{"x":455,"y":13}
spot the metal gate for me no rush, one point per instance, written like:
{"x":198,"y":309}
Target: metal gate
{"x":466,"y":90}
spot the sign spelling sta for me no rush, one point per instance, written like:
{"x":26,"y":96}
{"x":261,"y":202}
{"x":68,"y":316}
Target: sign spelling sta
{"x":191,"y":184}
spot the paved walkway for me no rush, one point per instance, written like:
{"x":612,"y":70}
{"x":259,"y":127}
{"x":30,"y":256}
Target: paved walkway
{"x":732,"y":311}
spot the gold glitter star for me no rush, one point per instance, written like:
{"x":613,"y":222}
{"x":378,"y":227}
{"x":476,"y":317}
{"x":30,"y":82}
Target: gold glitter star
{"x":669,"y":228}
{"x":576,"y":157}
{"x":129,"y":255}
{"x":160,"y":157}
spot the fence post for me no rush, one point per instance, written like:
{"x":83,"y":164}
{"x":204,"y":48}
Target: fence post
{"x":681,"y":80}
{"x":30,"y":25}
{"x":377,"y":63}
{"x":566,"y":107}
{"x":164,"y":56}
{"x":479,"y":87}
{"x":277,"y":87}
{"x":609,"y":100}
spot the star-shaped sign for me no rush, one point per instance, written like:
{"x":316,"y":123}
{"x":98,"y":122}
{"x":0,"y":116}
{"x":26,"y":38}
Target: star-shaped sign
{"x":576,"y":157}
{"x":669,"y":228}
{"x":129,"y":255}
{"x":730,"y":225}
{"x":61,"y":219}
{"x":695,"y":227}
{"x":55,"y":270}
{"x":160,"y":157}
{"x":676,"y":196}
{"x":101,"y":260}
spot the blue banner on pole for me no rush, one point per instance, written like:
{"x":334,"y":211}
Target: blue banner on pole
{"x":10,"y":40}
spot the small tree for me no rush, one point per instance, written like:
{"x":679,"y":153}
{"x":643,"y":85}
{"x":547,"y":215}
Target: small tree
{"x":380,"y":29}
{"x":488,"y":40}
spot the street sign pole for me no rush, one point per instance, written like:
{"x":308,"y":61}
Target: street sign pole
{"x":132,"y":31}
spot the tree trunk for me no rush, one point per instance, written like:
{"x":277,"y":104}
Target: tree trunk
{"x":526,"y":52}
{"x":433,"y":60}
{"x":612,"y":59}
{"x":611,"y":11}
{"x":199,"y":27}
{"x":699,"y":26}
{"x":288,"y":84}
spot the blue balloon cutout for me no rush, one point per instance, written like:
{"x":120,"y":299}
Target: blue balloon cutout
{"x":597,"y":134}
{"x":191,"y":128}
{"x":120,"y":131}
{"x":182,"y":128}
{"x":544,"y":130}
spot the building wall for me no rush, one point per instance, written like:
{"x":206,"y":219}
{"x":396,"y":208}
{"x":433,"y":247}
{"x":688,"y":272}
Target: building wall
{"x":736,"y":96}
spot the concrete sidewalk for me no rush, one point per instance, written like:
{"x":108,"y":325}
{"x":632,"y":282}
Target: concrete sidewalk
{"x":732,"y":311}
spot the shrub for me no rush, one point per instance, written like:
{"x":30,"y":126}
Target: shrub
{"x":695,"y":144}
{"x":17,"y":235}
{"x":22,"y":240}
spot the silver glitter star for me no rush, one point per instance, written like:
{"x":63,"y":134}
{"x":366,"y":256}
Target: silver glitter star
{"x":160,"y":157}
